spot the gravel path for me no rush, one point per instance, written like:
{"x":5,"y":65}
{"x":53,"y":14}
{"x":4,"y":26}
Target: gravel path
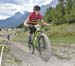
{"x":27,"y":59}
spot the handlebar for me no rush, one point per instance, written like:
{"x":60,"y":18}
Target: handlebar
{"x":35,"y":26}
{"x":38,"y":27}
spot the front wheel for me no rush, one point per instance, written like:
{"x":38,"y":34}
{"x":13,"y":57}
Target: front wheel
{"x":44,"y":47}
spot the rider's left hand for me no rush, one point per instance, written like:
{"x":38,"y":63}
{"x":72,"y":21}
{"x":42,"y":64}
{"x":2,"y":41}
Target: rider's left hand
{"x":47,"y":24}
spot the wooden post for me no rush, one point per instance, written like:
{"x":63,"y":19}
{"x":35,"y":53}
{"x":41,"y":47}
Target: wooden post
{"x":1,"y":55}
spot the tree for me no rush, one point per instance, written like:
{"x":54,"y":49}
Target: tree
{"x":59,"y":13}
{"x":56,"y":15}
{"x":68,"y":8}
{"x":48,"y":16}
{"x":20,"y":26}
{"x":73,"y":9}
{"x":64,"y":12}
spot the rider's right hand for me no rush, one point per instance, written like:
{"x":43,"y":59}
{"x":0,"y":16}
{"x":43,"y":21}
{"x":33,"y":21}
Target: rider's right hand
{"x":26,"y":25}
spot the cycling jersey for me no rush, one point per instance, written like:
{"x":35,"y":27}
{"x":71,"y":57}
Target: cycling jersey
{"x":34,"y":18}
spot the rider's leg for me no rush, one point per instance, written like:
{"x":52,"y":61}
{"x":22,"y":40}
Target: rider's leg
{"x":32,"y":30}
{"x":30,"y":40}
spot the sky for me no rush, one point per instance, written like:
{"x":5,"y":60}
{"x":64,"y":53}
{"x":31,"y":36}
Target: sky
{"x":10,"y":7}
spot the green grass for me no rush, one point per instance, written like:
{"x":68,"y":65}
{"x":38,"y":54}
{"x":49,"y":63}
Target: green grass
{"x":9,"y":59}
{"x":21,"y":37}
{"x":61,"y":34}
{"x":1,"y":43}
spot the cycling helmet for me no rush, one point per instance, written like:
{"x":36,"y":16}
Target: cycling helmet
{"x":36,"y":8}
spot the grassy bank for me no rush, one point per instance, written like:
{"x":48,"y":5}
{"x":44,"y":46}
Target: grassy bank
{"x":8,"y":59}
{"x":61,"y":34}
{"x":21,"y":37}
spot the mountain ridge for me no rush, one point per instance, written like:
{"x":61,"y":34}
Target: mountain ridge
{"x":18,"y":18}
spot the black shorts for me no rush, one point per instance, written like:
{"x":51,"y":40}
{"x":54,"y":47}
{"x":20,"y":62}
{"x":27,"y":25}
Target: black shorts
{"x":32,"y":29}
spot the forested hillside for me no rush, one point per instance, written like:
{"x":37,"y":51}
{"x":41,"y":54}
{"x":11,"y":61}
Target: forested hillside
{"x":64,"y":12}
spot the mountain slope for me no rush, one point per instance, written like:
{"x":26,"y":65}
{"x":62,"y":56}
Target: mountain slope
{"x":19,"y":18}
{"x":14,"y":20}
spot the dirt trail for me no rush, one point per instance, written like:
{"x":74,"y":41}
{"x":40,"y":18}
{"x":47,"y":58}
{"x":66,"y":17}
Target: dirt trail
{"x":22,"y":53}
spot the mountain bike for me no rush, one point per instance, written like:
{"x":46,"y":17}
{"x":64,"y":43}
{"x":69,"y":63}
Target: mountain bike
{"x":41,"y":42}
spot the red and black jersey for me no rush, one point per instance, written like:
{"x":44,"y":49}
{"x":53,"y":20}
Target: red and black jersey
{"x":34,"y":18}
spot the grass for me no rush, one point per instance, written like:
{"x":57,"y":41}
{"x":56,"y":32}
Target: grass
{"x":61,"y":34}
{"x":1,"y":43}
{"x":21,"y":37}
{"x":9,"y":59}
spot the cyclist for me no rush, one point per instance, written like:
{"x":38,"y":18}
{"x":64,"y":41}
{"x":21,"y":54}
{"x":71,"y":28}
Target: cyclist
{"x":32,"y":19}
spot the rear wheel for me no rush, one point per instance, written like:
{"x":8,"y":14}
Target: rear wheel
{"x":44,"y":47}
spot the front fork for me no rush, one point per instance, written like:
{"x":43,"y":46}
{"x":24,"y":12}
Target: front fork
{"x":35,"y":39}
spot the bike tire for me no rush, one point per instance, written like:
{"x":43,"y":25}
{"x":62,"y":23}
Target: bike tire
{"x":44,"y":47}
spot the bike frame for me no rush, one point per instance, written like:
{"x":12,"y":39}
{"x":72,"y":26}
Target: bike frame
{"x":35,"y":38}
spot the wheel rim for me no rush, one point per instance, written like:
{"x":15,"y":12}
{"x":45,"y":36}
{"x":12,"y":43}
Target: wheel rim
{"x":44,"y":50}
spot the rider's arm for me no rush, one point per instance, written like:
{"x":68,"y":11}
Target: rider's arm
{"x":26,"y":22}
{"x":44,"y":23}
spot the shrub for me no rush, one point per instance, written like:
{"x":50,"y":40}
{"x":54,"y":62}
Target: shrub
{"x":59,"y":21}
{"x":71,"y":20}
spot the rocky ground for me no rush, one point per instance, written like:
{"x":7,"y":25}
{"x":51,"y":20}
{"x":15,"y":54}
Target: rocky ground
{"x":61,"y":55}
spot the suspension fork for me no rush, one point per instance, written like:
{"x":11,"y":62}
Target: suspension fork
{"x":35,"y":39}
